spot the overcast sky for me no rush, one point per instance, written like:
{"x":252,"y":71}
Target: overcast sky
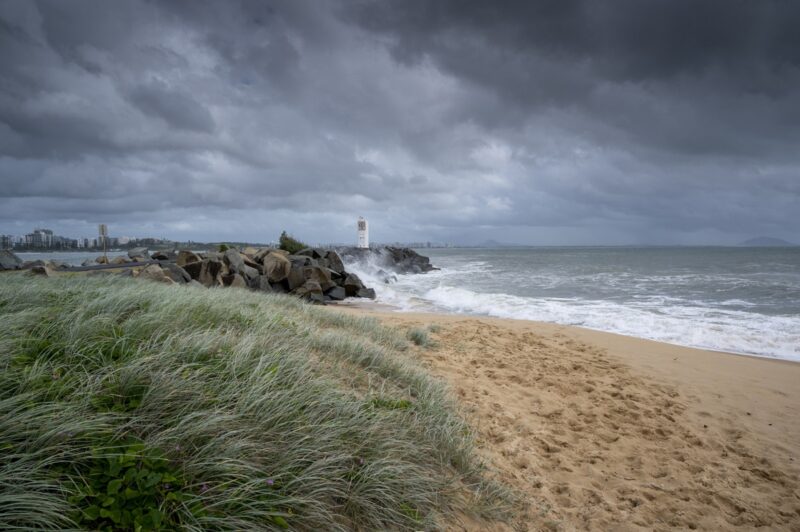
{"x":550,"y":122}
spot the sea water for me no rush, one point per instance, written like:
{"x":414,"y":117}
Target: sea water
{"x":740,"y":300}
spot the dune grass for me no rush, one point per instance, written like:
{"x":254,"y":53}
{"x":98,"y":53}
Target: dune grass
{"x":133,"y":405}
{"x":419,"y":336}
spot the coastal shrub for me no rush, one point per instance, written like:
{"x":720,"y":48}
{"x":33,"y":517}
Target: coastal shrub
{"x":419,"y":336}
{"x":223,"y":248}
{"x":140,"y":406}
{"x":290,"y":244}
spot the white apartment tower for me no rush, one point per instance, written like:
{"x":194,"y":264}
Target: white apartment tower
{"x":363,"y":233}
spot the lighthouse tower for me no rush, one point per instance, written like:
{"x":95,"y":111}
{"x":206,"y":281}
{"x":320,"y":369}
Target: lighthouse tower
{"x":363,"y":233}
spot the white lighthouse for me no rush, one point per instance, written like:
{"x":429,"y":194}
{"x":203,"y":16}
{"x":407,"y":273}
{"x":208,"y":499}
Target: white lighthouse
{"x":363,"y":233}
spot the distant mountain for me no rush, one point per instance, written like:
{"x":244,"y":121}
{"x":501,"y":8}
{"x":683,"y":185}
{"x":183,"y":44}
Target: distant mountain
{"x":766,"y":242}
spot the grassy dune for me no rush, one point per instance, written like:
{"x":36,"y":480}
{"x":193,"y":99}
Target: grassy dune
{"x":132,"y":405}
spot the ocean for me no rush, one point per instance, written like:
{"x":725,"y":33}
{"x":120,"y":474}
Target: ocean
{"x":739,"y":300}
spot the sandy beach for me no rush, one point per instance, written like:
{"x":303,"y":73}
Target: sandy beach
{"x":600,"y":431}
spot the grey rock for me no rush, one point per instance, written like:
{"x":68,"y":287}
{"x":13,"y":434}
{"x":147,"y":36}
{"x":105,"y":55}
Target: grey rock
{"x":164,"y":255}
{"x":320,"y":275}
{"x":314,"y":253}
{"x":335,"y":262}
{"x":234,"y":280}
{"x":9,"y":261}
{"x":337,"y":293}
{"x":300,"y":260}
{"x":153,"y":272}
{"x":233,"y":259}
{"x":352,"y":284}
{"x":176,"y":273}
{"x":137,"y":252}
{"x":296,"y":277}
{"x":276,"y":267}
{"x":42,"y":269}
{"x":366,"y":292}
{"x":185,"y":257}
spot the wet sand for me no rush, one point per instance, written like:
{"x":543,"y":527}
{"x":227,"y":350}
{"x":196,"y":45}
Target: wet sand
{"x":606,"y":432}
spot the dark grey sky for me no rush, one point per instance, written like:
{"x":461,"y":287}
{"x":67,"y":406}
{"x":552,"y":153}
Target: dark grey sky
{"x":555,"y":122}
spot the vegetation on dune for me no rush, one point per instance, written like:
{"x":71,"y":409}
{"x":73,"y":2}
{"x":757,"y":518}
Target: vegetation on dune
{"x":288,"y":243}
{"x":139,"y":406}
{"x":419,"y":336}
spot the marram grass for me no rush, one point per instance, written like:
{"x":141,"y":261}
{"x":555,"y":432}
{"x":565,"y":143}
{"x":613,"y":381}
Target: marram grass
{"x":140,"y":406}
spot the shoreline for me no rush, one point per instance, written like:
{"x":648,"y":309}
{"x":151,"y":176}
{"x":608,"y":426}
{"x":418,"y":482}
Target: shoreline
{"x":378,"y":308}
{"x":600,"y":430}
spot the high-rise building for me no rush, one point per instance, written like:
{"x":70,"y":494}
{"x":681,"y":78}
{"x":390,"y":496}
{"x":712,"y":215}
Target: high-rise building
{"x":40,"y":238}
{"x":102,"y":236}
{"x":6,"y":241}
{"x":363,"y":233}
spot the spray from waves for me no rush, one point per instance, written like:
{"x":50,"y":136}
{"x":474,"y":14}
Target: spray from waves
{"x":727,"y":327}
{"x":693,"y":326}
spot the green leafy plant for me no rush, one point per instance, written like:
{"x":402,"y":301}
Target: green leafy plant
{"x":131,"y":488}
{"x":290,"y":244}
{"x":223,"y":248}
{"x":391,"y":404}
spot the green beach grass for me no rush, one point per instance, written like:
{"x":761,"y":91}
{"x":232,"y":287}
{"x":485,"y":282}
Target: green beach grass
{"x":139,"y":406}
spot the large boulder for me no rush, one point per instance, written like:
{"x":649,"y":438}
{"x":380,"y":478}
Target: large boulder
{"x":233,"y":259}
{"x":193,"y":269}
{"x":137,"y":252}
{"x":153,"y":272}
{"x":30,"y":264}
{"x":164,"y":255}
{"x":206,"y":272}
{"x":296,"y":277}
{"x":336,"y":293}
{"x":102,"y":259}
{"x":260,"y":283}
{"x":310,"y":291}
{"x":320,"y":275}
{"x":366,"y":292}
{"x":234,"y":280}
{"x":300,"y":260}
{"x":352,"y":284}
{"x":276,"y":267}
{"x":253,"y":264}
{"x":185,"y":257}
{"x":237,"y":263}
{"x":335,"y":262}
{"x":9,"y":261}
{"x":176,"y":273}
{"x":42,"y":269}
{"x":120,"y":260}
{"x":314,"y":253}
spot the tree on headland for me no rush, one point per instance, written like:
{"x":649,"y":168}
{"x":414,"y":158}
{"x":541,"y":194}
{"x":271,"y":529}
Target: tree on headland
{"x":290,"y":244}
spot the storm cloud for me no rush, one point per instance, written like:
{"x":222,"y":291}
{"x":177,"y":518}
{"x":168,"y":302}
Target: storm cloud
{"x":549,"y":122}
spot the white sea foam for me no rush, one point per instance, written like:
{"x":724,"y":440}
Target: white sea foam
{"x":728,"y":325}
{"x":732,"y":331}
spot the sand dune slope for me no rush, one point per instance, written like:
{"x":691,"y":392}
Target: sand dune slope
{"x":597,"y":441}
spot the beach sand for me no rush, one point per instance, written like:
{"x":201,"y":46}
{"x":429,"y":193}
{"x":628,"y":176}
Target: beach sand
{"x":605,"y":432}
